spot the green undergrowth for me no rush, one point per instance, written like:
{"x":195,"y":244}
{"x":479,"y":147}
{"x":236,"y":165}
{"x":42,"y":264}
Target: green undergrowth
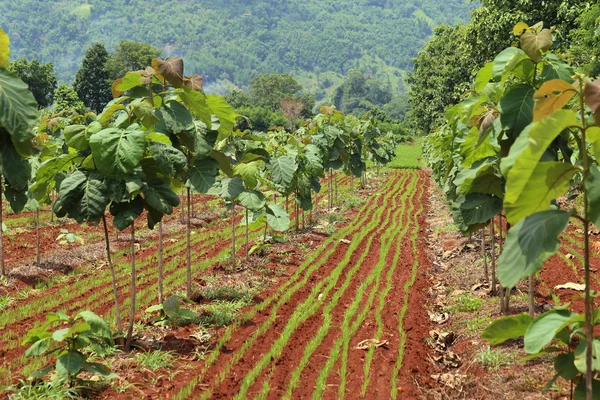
{"x":408,"y":156}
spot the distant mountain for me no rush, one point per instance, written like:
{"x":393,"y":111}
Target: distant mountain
{"x":230,"y":41}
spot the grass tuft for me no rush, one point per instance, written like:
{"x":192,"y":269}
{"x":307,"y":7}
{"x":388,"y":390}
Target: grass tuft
{"x":493,"y":358}
{"x":155,"y":359}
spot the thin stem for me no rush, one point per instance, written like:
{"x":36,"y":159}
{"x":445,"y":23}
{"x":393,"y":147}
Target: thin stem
{"x":589,"y":306}
{"x":233,"y":234}
{"x":247,"y":234}
{"x":493,"y":257}
{"x":188,"y":247}
{"x":112,"y":275}
{"x":484,"y":256}
{"x":37,"y":235}
{"x":531,"y":297}
{"x":160,"y":262}
{"x":133,"y":290}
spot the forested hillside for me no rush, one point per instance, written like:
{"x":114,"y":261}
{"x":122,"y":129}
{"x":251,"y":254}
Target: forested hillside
{"x":233,"y":40}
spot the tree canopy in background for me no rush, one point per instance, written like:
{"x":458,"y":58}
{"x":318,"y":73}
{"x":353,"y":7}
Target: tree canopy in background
{"x":39,"y":77}
{"x":234,"y":40}
{"x":130,"y":56}
{"x":92,"y":82}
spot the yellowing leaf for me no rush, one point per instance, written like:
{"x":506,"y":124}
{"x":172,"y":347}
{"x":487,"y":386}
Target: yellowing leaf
{"x":519,"y":28}
{"x":4,"y":49}
{"x":552,"y":96}
{"x":534,"y":44}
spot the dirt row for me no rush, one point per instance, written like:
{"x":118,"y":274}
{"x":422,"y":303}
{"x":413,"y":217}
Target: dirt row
{"x":294,"y":339}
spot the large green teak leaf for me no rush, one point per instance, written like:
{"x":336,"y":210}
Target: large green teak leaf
{"x":529,"y":244}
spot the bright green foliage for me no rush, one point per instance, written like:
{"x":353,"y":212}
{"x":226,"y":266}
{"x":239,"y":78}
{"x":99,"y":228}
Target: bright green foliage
{"x":92,"y":80}
{"x":67,"y":101}
{"x":39,"y":78}
{"x":69,"y":343}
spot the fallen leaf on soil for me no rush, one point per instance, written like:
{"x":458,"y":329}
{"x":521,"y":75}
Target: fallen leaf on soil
{"x":438,"y":318}
{"x":457,"y":293}
{"x":449,"y":380}
{"x":346,"y":241}
{"x":451,"y":360}
{"x":573,"y":286}
{"x":471,"y":246}
{"x":368,"y":343}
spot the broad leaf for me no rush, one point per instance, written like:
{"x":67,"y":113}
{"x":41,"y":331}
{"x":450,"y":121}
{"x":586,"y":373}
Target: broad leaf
{"x":277,"y":218}
{"x":529,"y":244}
{"x":547,"y":182}
{"x":579,"y":359}
{"x":484,"y":75}
{"x":144,"y":111}
{"x":116,"y":151}
{"x":170,"y":69}
{"x":15,"y":169}
{"x":224,"y":112}
{"x":18,"y":108}
{"x":170,"y":161}
{"x":125,"y":213}
{"x":248,"y":172}
{"x":543,"y":329}
{"x":507,"y":328}
{"x":593,"y":187}
{"x":551,"y":97}
{"x":4,"y":49}
{"x":69,"y":363}
{"x":97,"y":324}
{"x":564,"y":365}
{"x":479,"y":208}
{"x":38,"y":348}
{"x":536,"y":43}
{"x":252,"y":200}
{"x":231,"y":188}
{"x":203,"y":174}
{"x":171,"y":307}
{"x":516,"y":108}
{"x":283,"y":170}
{"x":160,"y":196}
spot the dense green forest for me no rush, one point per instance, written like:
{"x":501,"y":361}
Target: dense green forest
{"x":229,"y":41}
{"x":445,"y":69}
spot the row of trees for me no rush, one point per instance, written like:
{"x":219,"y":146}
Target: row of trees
{"x":524,"y":136}
{"x":161,"y":133}
{"x":452,"y":58}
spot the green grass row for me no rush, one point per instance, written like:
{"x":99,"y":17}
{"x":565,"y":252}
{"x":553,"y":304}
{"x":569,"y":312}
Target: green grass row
{"x":327,"y":317}
{"x":349,"y":328}
{"x":342,"y":344}
{"x":408,"y":284}
{"x":282,"y":295}
{"x":375,"y":228}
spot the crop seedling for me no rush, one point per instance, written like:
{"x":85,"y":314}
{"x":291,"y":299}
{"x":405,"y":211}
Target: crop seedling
{"x":66,"y":237}
{"x":68,"y":344}
{"x":171,"y":313}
